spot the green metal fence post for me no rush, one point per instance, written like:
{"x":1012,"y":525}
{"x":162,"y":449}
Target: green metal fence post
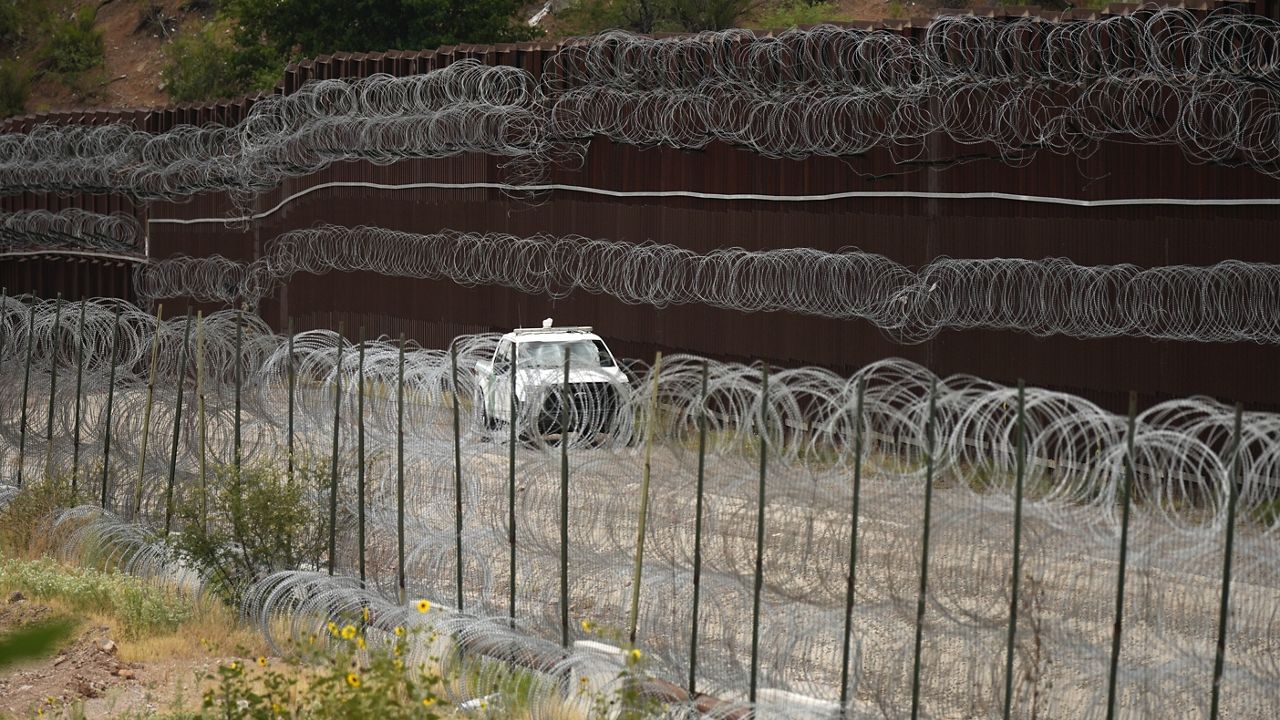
{"x":292,"y":378}
{"x":146,"y":416}
{"x":457,"y":468}
{"x":180,"y":383}
{"x":1020,"y":481}
{"x":697,"y":533}
{"x":333,"y":467}
{"x":638,"y":573}
{"x":400,"y":574}
{"x":511,"y":482}
{"x":853,"y":549}
{"x":760,"y":503}
{"x":360,"y":455}
{"x":564,"y":505}
{"x":238,"y":457}
{"x":75,"y":434}
{"x":1126,"y":492}
{"x":26,"y":387}
{"x":53,"y":387}
{"x":111,"y":396}
{"x":1224,"y":607}
{"x":924,"y":550}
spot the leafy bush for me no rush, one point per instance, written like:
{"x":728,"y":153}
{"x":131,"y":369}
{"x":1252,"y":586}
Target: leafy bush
{"x":22,"y":520}
{"x":252,"y":524}
{"x":205,"y":65}
{"x":15,"y":87}
{"x":795,"y":13}
{"x":74,"y":45}
{"x":353,"y":681}
{"x":699,"y":15}
{"x":140,"y":607}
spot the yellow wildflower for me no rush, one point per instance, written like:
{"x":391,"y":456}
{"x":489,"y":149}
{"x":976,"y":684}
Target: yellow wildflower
{"x":399,"y":631}
{"x":586,"y":626}
{"x":348,"y":632}
{"x":262,"y":661}
{"x":635,"y":653}
{"x":360,"y":642}
{"x":353,"y":680}
{"x":333,"y":628}
{"x":364,"y":613}
{"x":424,"y":605}
{"x":428,"y":701}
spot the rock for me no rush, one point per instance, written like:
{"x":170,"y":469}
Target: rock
{"x":108,"y":647}
{"x":16,"y":597}
{"x":59,"y":660}
{"x":125,"y":673}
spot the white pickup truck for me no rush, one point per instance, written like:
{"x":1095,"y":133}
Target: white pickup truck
{"x":597,"y":387}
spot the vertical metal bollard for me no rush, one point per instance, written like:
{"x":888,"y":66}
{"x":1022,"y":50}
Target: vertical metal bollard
{"x":511,"y":481}
{"x":26,"y":387}
{"x":924,"y":550}
{"x":1224,"y":608}
{"x":204,"y":428}
{"x":181,"y":381}
{"x":1021,"y":461}
{"x":457,"y":468}
{"x":697,"y":535}
{"x":111,"y":396}
{"x":292,"y":378}
{"x":853,"y":548}
{"x":564,"y":505}
{"x":759,"y":573}
{"x":638,"y":573}
{"x":146,"y":416}
{"x":360,"y":456}
{"x":75,"y":434}
{"x":333,"y":467}
{"x":400,"y":575}
{"x":1125,"y":492}
{"x":53,"y":388}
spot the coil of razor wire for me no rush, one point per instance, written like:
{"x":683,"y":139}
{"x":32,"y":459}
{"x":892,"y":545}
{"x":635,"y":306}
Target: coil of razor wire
{"x":1232,"y":301}
{"x":70,"y":228}
{"x":1017,"y":86}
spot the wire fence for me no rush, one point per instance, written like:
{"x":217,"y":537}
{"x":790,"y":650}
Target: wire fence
{"x":779,"y":542}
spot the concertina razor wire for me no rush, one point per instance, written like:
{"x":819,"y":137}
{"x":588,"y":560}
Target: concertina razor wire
{"x":1232,"y":301}
{"x":1019,"y":86}
{"x":1186,"y":465}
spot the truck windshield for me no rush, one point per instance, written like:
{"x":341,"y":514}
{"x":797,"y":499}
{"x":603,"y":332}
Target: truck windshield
{"x":550,"y":354}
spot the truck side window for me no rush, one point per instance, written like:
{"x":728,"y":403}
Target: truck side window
{"x":503,"y":356}
{"x":606,"y":360}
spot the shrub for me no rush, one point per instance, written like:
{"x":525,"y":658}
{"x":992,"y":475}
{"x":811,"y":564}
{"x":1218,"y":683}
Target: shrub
{"x":205,"y":65}
{"x":15,"y":87}
{"x":140,"y":607}
{"x":23,"y":518}
{"x":252,"y":524}
{"x":74,"y":45}
{"x":792,"y":14}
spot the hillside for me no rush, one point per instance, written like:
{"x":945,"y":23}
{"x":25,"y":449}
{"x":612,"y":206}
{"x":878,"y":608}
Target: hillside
{"x":137,"y":35}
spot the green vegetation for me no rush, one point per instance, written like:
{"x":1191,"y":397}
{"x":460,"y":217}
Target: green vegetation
{"x":246,"y":47}
{"x":140,"y":607}
{"x":253,"y":524}
{"x":348,"y":680}
{"x":647,"y":16}
{"x":74,"y":44}
{"x":797,"y":13}
{"x":15,"y":87}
